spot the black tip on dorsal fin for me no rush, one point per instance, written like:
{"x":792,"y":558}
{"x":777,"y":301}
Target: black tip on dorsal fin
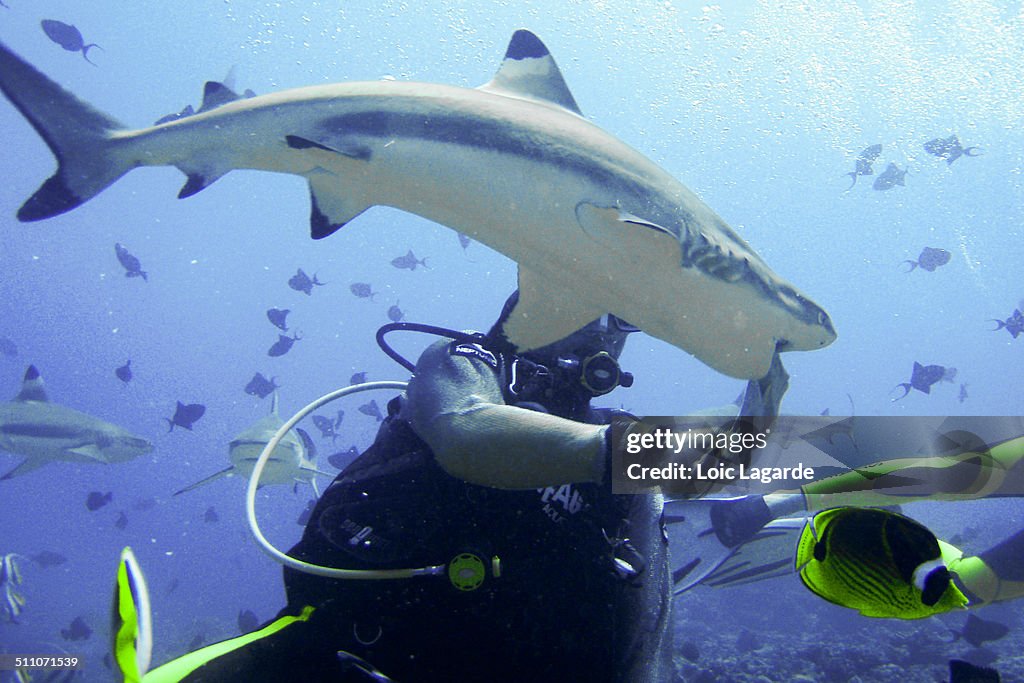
{"x":32,"y":388}
{"x":525,"y":45}
{"x":216,"y":94}
{"x":528,"y":70}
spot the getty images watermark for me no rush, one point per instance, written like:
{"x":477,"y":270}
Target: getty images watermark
{"x":694,"y":455}
{"x":697,"y":455}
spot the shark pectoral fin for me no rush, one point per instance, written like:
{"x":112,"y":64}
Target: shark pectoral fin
{"x":227,"y":471}
{"x":545,"y":313}
{"x":630,"y":236}
{"x":529,"y":71}
{"x":330,"y":209}
{"x":25,"y":467}
{"x":337,"y":145}
{"x":89,"y":450}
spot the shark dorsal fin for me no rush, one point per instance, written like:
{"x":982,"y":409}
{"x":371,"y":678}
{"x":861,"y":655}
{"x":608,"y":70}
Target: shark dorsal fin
{"x":32,"y":388}
{"x":216,"y":94}
{"x":529,"y":71}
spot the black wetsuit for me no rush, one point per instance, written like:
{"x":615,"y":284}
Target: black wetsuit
{"x":549,"y":616}
{"x":558,"y":611}
{"x":555,"y":613}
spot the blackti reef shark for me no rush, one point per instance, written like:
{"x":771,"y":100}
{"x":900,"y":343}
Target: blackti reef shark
{"x":595,"y":226}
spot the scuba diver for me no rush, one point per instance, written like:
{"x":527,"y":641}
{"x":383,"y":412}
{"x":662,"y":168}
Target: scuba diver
{"x":851,"y":548}
{"x":492,"y":472}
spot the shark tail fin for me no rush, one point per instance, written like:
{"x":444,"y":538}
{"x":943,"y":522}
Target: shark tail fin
{"x":131,"y":625}
{"x":78,"y":135}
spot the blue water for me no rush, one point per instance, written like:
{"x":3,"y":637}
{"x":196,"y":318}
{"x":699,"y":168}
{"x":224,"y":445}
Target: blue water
{"x":760,"y":109}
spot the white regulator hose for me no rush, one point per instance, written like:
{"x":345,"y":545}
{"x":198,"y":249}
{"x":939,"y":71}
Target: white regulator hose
{"x":254,"y":482}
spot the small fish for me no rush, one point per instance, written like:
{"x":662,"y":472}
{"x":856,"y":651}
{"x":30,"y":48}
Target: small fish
{"x":124,"y":373}
{"x":326,"y":427}
{"x":261,"y":386}
{"x":961,"y":671}
{"x":306,"y":514}
{"x":8,"y":348}
{"x":395,"y":314}
{"x":48,"y":558}
{"x":122,"y":520}
{"x":408,"y":262}
{"x":300,"y":282}
{"x":372,"y":409}
{"x":1014,"y":324}
{"x":362,"y":290}
{"x":464,"y":241}
{"x":357,"y":378}
{"x":283,"y":345}
{"x":924,"y":377}
{"x":78,"y":630}
{"x":247,"y":621}
{"x":978,"y":631}
{"x":864,"y":162}
{"x":962,"y":396}
{"x":172,"y":586}
{"x":338,"y":418}
{"x":949,"y":149}
{"x":891,"y":177}
{"x":211,"y":516}
{"x":878,"y":562}
{"x":132,"y":267}
{"x":185,"y":415}
{"x":930,"y":259}
{"x":278,"y":316}
{"x":341,"y":459}
{"x":68,"y":37}
{"x":96,"y":500}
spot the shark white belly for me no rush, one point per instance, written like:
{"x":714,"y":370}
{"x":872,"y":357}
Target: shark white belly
{"x":594,"y":225}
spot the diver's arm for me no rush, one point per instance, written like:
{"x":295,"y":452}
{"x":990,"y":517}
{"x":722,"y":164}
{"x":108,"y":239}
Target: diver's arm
{"x":455,"y":404}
